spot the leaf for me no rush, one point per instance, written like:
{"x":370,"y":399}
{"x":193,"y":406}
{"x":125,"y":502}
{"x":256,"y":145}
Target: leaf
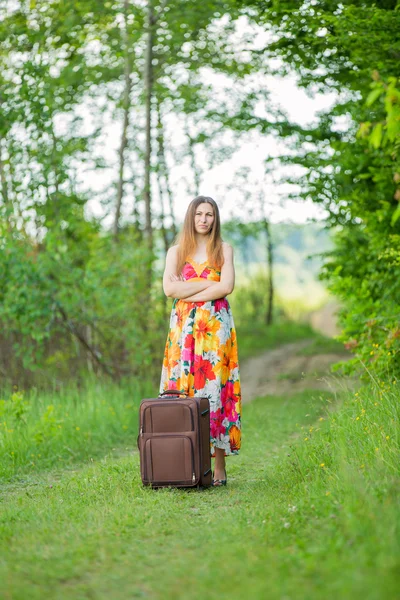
{"x":395,"y":216}
{"x":363,"y":130}
{"x":376,"y":136}
{"x":373,"y":95}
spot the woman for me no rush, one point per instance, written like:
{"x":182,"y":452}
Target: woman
{"x":201,"y":354}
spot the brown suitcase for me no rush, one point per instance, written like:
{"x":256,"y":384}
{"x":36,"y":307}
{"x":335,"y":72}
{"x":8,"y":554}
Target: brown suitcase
{"x":174,"y":441}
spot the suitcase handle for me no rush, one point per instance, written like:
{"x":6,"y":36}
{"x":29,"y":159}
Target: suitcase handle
{"x":173,"y":392}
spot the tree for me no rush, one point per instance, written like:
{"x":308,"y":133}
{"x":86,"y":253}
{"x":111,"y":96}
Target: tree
{"x":349,"y":160}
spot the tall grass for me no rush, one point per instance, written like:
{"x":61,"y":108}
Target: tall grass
{"x":358,"y":442}
{"x":42,"y":429}
{"x":345,"y":472}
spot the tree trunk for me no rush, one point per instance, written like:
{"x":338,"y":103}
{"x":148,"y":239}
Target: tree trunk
{"x":137,"y":194}
{"x":148,"y":86}
{"x":164,"y":232}
{"x":163,"y":167}
{"x":195,"y":168}
{"x":3,"y":178}
{"x":7,"y":203}
{"x":270,"y":259}
{"x":125,"y":124}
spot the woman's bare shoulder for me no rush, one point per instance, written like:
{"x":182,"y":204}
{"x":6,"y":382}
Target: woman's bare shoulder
{"x":173,"y":249}
{"x":227,"y":249}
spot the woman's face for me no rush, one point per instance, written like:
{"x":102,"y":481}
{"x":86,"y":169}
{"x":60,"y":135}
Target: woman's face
{"x":204,"y":218}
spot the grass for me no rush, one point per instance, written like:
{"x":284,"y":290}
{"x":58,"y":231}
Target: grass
{"x":311,"y":510}
{"x":322,"y":345}
{"x":40,"y":430}
{"x":258,"y":337}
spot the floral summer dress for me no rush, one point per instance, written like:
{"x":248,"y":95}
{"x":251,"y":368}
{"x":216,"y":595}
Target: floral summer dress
{"x":201,"y":358}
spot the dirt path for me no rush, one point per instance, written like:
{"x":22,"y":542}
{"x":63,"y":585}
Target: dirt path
{"x":285,"y":370}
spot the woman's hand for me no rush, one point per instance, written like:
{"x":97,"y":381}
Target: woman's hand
{"x":190,"y":287}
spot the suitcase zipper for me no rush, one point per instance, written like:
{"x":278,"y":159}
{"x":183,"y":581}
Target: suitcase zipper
{"x":192,"y":452}
{"x":163,"y":404}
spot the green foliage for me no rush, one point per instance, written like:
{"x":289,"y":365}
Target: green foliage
{"x":72,"y":300}
{"x":364,"y":271}
{"x":65,"y":303}
{"x":249,"y":300}
{"x":350,"y":159}
{"x":15,"y":409}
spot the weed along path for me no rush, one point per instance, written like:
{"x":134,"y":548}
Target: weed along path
{"x":276,"y":531}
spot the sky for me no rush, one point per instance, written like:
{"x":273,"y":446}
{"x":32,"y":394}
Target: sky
{"x":221,"y":181}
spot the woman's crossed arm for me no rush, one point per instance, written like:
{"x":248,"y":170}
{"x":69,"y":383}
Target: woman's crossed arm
{"x":221,"y":288}
{"x":176,"y":287}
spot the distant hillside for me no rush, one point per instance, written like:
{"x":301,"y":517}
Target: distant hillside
{"x":296,"y":260}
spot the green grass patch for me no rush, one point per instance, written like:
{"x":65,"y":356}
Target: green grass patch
{"x":293,"y":377}
{"x":322,"y":345}
{"x":258,"y":337}
{"x":311,"y":510}
{"x":42,"y":429}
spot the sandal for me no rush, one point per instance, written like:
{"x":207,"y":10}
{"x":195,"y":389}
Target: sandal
{"x":219,"y":482}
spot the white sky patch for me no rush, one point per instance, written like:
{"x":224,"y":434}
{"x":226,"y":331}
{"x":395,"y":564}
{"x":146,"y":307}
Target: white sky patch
{"x":235,"y":196}
{"x":249,"y":152}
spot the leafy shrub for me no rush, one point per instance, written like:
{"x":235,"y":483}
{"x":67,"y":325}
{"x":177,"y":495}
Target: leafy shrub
{"x":364,"y":269}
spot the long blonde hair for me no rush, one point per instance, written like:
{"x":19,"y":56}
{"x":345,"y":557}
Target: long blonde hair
{"x":186,"y":237}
